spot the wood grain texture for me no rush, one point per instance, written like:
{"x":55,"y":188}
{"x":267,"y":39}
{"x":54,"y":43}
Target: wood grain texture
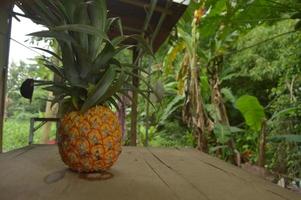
{"x":36,"y":172}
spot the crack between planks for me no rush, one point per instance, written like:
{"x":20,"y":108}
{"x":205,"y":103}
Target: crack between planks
{"x":179,"y":174}
{"x":279,"y":195}
{"x":23,"y":152}
{"x":223,"y":170}
{"x":231,"y":174}
{"x":160,"y":160}
{"x":165,"y":183}
{"x":216,"y":167}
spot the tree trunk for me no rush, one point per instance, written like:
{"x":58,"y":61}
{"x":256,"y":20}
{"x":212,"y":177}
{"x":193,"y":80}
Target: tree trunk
{"x":202,"y":141}
{"x":262,"y":144}
{"x":199,"y":118}
{"x":219,"y":105}
{"x":194,"y":113}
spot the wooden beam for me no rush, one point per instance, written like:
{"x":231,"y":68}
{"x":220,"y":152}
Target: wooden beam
{"x":5,"y":24}
{"x":144,"y":5}
{"x":135,"y":30}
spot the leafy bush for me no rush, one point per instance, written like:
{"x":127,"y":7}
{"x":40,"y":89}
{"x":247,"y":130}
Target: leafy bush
{"x":16,"y":134}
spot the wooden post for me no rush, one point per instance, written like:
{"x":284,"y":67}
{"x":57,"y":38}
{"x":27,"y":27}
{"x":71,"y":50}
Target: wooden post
{"x":136,"y":72}
{"x":5,"y":24}
{"x":134,"y":113}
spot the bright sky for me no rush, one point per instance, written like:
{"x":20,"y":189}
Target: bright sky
{"x":186,"y":2}
{"x":19,"y":32}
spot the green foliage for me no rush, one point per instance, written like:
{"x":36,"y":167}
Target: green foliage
{"x":16,"y":134}
{"x":284,"y":158}
{"x":171,"y":107}
{"x":18,"y":107}
{"x":222,"y":133}
{"x":90,"y":73}
{"x":228,"y":95}
{"x":261,"y":54}
{"x":287,"y":138}
{"x":252,"y":111}
{"x":173,"y":134}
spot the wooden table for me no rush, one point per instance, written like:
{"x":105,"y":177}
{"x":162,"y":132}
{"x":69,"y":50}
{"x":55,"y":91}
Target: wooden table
{"x":140,"y":174}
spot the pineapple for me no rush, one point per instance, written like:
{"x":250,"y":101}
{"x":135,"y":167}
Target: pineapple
{"x":92,"y":141}
{"x":92,"y":79}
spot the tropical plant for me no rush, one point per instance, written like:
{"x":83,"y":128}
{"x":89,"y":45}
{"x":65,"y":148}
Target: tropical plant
{"x":17,"y":107}
{"x":252,"y":111}
{"x":91,"y":78}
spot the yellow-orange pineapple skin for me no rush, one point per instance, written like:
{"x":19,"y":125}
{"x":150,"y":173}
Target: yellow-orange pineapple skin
{"x":90,"y":142}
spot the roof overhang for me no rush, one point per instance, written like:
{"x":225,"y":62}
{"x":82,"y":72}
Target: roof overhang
{"x":134,"y":12}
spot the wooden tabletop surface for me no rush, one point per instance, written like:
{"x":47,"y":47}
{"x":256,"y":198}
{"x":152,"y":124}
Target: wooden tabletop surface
{"x":36,"y":172}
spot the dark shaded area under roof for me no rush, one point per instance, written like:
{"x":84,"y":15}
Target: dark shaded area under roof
{"x":133,"y":14}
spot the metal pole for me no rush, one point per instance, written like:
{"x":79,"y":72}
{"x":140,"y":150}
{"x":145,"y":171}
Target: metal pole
{"x":5,"y":31}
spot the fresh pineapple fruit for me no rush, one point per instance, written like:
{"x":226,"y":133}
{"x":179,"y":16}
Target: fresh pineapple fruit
{"x":90,"y":77}
{"x":90,"y":142}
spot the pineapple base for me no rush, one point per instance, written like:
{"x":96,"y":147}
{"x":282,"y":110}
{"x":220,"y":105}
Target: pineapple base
{"x":90,"y":142}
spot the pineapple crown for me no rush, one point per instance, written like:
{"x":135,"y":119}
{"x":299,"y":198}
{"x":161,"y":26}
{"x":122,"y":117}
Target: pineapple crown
{"x":89,"y":71}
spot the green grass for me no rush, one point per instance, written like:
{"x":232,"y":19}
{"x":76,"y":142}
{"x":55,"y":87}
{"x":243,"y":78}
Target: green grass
{"x":16,"y":134}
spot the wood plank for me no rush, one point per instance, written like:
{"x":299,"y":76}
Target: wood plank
{"x":181,"y":188}
{"x":242,"y":174}
{"x":218,"y":178}
{"x":22,"y":177}
{"x":36,"y":172}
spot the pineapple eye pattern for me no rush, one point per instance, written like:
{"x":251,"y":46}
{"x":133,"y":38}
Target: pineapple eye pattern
{"x":91,"y":143}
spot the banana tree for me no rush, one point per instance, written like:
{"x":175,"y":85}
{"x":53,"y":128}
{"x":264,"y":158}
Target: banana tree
{"x":216,"y":26}
{"x":194,"y":113}
{"x":255,"y":118}
{"x":259,"y":123}
{"x":223,"y":23}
